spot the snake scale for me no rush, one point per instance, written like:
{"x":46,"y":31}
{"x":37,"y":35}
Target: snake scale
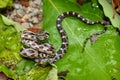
{"x":44,"y":53}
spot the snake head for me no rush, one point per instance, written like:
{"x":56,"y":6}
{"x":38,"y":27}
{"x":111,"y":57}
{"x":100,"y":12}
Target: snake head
{"x":35,"y":35}
{"x":42,"y":35}
{"x":39,"y":33}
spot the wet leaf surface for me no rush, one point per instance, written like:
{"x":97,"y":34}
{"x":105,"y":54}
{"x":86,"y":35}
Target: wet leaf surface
{"x":99,"y":61}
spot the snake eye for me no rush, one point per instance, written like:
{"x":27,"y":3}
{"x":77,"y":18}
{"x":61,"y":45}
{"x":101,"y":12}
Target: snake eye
{"x":47,"y":35}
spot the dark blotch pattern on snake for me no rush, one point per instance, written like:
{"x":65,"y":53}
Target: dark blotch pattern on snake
{"x":44,"y":53}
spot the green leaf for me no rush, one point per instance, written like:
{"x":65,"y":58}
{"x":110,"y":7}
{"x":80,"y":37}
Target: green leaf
{"x":27,"y":70}
{"x":100,"y":61}
{"x":7,"y":71}
{"x":9,"y":22}
{"x":5,"y":3}
{"x":107,"y":8}
{"x":52,"y":74}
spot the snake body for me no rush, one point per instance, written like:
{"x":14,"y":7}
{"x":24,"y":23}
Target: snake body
{"x":44,"y":53}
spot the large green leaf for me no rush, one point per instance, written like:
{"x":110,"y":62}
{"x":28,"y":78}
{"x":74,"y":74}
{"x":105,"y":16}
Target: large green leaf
{"x":99,"y":61}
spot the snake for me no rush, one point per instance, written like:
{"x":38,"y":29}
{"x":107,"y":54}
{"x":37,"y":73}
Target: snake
{"x":45,"y":53}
